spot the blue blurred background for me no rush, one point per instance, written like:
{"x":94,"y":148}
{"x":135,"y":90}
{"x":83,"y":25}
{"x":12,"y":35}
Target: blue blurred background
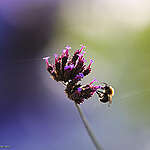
{"x":35,"y":113}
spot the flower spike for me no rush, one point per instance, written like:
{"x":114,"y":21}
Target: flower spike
{"x":71,"y":70}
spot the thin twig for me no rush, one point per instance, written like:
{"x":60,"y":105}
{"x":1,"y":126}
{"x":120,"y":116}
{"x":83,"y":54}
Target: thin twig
{"x":90,"y":133}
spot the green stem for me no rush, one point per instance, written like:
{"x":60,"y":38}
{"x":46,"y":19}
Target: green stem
{"x":89,"y":131}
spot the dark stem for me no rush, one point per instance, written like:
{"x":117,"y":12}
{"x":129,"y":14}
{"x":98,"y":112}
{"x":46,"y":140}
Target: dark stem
{"x":90,"y":133}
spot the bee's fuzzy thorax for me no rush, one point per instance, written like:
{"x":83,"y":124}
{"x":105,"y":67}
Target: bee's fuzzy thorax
{"x":112,"y":91}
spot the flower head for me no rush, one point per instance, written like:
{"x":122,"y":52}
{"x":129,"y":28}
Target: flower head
{"x":71,"y":70}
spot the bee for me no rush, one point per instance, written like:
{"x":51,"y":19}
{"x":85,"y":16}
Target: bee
{"x":106,"y":93}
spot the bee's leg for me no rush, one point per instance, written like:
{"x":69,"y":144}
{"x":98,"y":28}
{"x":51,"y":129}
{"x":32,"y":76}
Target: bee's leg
{"x":110,"y":99}
{"x":100,"y":93}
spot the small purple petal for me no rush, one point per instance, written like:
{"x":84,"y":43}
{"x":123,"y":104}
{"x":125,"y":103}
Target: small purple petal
{"x":84,"y":60}
{"x":55,"y":55}
{"x":81,"y":57}
{"x":83,"y":52}
{"x":82,"y":47}
{"x":64,"y":51}
{"x":81,"y":75}
{"x":79,"y":54}
{"x":71,"y":66}
{"x":46,"y":60}
{"x":66,"y":67}
{"x":79,"y":89}
{"x":68,"y":47}
{"x":67,"y":54}
{"x":91,"y":61}
{"x":97,"y":87}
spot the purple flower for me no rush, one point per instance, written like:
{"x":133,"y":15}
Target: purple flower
{"x":71,"y":70}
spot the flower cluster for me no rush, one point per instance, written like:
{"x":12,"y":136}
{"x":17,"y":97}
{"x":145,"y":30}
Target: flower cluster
{"x":70,"y":70}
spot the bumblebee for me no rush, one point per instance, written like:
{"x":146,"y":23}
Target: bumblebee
{"x":106,"y":93}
